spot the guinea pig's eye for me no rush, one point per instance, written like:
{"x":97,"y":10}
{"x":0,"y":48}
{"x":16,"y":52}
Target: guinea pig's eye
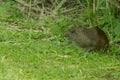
{"x":72,"y":31}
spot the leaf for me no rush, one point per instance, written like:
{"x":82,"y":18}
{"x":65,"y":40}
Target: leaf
{"x":60,"y":5}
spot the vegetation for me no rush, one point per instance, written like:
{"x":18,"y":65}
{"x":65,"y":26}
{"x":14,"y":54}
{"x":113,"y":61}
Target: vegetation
{"x":32,"y":44}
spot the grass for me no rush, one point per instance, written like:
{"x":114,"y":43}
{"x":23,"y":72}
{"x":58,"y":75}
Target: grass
{"x":29,"y":51}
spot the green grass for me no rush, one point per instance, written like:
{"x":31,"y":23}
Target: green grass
{"x":31,"y":50}
{"x":23,"y":57}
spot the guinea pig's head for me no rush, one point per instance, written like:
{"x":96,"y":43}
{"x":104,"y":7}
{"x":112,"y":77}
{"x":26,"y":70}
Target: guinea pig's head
{"x":71,"y":33}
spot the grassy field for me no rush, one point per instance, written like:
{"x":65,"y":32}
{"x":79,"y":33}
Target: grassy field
{"x":29,"y":51}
